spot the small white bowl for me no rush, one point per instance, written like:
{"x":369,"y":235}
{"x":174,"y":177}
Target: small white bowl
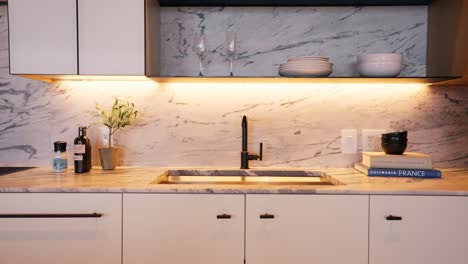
{"x":380,"y":57}
{"x":379,"y":69}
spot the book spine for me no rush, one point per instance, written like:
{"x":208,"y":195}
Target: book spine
{"x":404,"y":173}
{"x":421,"y":164}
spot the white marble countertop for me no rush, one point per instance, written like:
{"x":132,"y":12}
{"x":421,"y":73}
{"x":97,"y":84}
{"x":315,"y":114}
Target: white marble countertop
{"x":139,"y":179}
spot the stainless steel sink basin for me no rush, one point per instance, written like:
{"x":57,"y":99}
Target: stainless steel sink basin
{"x":245,"y":177}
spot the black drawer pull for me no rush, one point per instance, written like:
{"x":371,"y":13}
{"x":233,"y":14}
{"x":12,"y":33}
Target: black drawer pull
{"x":223,"y":216}
{"x":393,"y":218}
{"x":267,"y":216}
{"x":93,"y":215}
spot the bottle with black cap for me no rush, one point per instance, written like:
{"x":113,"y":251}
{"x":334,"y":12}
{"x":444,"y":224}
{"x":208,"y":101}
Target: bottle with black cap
{"x":82,"y":150}
{"x":60,"y":160}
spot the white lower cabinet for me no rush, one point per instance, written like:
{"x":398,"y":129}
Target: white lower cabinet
{"x":304,"y":229}
{"x":60,"y":228}
{"x":418,"y":230}
{"x":183,"y":229}
{"x":223,"y":228}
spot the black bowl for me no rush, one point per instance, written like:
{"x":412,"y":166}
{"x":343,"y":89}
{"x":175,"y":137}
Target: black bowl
{"x":401,"y":134}
{"x":398,"y":134}
{"x":394,"y":148}
{"x":394,"y":140}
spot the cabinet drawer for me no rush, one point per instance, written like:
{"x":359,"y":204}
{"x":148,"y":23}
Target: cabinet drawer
{"x":304,"y":229}
{"x":183,"y":228}
{"x":418,"y":229}
{"x":60,"y":228}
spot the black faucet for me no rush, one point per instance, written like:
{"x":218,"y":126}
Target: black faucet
{"x":245,"y":156}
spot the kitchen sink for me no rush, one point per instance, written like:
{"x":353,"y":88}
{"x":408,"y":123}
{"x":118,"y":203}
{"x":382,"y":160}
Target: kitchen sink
{"x":245,"y":177}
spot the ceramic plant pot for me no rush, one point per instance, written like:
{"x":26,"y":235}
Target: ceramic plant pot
{"x":109,"y":158}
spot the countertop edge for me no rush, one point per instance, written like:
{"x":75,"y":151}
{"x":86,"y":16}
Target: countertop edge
{"x":454,"y":182}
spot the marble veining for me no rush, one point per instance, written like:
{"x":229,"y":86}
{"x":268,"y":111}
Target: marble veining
{"x":198,"y":124}
{"x":23,"y":112}
{"x":268,"y":36}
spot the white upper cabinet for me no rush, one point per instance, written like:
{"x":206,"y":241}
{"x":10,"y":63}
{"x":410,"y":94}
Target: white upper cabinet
{"x":111,"y":37}
{"x":305,"y":229}
{"x":418,"y":229}
{"x":43,"y":36}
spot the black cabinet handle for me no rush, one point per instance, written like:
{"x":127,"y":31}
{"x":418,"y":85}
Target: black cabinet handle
{"x":393,"y":218}
{"x":267,"y":216}
{"x":223,"y":216}
{"x":93,"y":215}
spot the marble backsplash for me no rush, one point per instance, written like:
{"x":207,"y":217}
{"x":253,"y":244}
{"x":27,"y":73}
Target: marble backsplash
{"x":269,"y":35}
{"x":200,"y":124}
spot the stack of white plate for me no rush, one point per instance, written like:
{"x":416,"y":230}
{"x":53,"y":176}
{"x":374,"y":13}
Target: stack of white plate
{"x":307,"y":66}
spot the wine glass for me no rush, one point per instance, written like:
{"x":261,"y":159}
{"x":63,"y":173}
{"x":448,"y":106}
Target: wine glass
{"x":199,"y":47}
{"x":231,"y":47}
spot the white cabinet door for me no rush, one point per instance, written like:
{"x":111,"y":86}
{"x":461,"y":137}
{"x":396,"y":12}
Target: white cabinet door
{"x":305,"y":229}
{"x":71,"y":240}
{"x":432,"y":230}
{"x":183,"y":229}
{"x":43,"y":36}
{"x":111,"y":37}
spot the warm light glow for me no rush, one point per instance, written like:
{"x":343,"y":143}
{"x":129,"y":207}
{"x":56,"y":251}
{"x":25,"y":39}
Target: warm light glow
{"x":98,"y":78}
{"x":346,"y":91}
{"x":119,"y":85}
{"x":299,"y":85}
{"x":55,"y":78}
{"x":218,"y":94}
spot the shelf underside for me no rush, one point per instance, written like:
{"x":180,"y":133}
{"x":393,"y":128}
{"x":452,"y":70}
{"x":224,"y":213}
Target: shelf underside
{"x":424,"y":80}
{"x":292,"y":2}
{"x":263,"y":79}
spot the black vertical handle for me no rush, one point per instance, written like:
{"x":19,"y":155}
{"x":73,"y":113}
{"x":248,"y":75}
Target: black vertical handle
{"x":261,"y":151}
{"x":393,"y":218}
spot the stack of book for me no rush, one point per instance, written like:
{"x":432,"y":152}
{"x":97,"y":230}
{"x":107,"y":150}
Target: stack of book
{"x":410,"y":164}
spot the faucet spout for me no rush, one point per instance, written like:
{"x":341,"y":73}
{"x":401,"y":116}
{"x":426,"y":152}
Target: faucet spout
{"x":244,"y":133}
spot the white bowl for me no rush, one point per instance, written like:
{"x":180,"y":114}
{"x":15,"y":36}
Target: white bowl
{"x":380,"y":57}
{"x":379,"y":69}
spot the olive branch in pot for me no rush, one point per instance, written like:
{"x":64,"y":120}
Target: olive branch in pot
{"x":121,"y":114}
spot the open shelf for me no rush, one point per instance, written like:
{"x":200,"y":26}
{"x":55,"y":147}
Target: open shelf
{"x":240,"y":79}
{"x":223,"y":79}
{"x":292,"y":2}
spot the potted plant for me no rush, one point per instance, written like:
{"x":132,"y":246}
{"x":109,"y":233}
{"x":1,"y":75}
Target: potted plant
{"x":121,"y":114}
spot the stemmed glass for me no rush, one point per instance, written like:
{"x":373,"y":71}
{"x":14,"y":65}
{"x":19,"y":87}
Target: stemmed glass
{"x":231,"y":47}
{"x":199,"y":47}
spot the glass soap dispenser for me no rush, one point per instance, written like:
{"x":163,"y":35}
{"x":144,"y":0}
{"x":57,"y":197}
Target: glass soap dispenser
{"x":60,"y":160}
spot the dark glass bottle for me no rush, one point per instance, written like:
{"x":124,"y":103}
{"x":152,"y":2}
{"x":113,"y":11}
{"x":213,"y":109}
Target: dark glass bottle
{"x":82,"y":155}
